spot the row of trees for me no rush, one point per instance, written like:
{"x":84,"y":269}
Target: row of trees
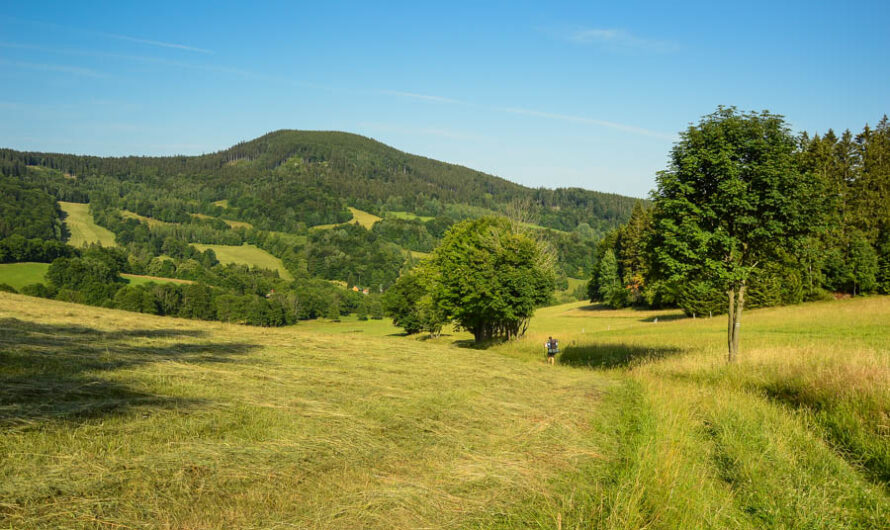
{"x":748,"y":214}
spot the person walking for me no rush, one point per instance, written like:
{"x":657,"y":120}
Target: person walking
{"x":552,"y":346}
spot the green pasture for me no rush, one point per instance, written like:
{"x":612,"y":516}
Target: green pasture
{"x":82,"y":227}
{"x":19,"y":275}
{"x":247,"y":255}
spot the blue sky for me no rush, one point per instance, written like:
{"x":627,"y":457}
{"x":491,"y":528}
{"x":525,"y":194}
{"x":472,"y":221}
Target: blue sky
{"x":546,"y":94}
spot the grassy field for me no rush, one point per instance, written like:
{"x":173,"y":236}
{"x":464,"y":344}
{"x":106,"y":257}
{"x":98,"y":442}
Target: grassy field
{"x":141,"y":279}
{"x":408,"y":216}
{"x":19,"y":275}
{"x":120,"y":419}
{"x":150,"y":221}
{"x":574,"y":283}
{"x":247,"y":255}
{"x":82,"y":227}
{"x":231,"y":223}
{"x":363,"y":218}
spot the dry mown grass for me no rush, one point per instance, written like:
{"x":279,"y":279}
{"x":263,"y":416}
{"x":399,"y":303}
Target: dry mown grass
{"x":124,"y":419}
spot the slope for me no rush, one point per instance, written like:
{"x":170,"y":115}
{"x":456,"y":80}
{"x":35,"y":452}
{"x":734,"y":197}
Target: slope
{"x":360,"y":171}
{"x":82,"y":227}
{"x":121,"y":419}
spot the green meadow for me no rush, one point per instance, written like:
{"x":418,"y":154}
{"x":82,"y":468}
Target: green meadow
{"x":247,"y":255}
{"x":19,"y":275}
{"x":122,"y":419}
{"x":82,"y":227}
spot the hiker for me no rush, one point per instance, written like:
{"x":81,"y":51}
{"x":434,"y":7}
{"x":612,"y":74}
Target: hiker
{"x":552,"y":346}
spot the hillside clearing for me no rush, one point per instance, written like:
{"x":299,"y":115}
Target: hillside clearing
{"x":19,"y":275}
{"x":150,"y":221}
{"x":82,"y":227}
{"x":231,"y":223}
{"x":365,"y":219}
{"x":247,"y":255}
{"x":141,"y":279}
{"x":408,"y":216}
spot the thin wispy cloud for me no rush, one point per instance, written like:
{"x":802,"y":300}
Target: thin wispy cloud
{"x":617,"y":39}
{"x":589,"y":121}
{"x":424,"y":97}
{"x":159,"y":44}
{"x":60,"y":68}
{"x":426,"y":131}
{"x":135,"y":58}
{"x":538,"y":114}
{"x":128,"y":38}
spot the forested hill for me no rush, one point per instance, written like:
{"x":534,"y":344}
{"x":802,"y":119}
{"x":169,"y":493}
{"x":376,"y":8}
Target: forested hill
{"x":313,"y":175}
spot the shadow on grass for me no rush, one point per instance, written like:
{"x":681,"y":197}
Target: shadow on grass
{"x":595,"y":307}
{"x":664,"y":318}
{"x":54,"y":371}
{"x":855,"y":431}
{"x":484,"y":345}
{"x":612,"y":355}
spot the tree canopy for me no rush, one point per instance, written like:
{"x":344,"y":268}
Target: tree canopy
{"x":490,"y":276}
{"x":731,"y":200}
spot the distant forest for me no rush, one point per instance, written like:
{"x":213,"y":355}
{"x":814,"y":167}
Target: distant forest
{"x":271,"y":192}
{"x":276,"y":192}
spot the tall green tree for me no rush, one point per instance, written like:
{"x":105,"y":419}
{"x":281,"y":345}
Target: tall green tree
{"x":731,"y":199}
{"x":611,"y":291}
{"x":490,"y":276}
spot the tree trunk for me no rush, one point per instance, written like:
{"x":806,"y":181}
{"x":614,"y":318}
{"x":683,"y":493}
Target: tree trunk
{"x":731,"y":327}
{"x":736,"y":304}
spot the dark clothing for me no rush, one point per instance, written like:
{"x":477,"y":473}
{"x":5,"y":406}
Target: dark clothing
{"x":552,"y":347}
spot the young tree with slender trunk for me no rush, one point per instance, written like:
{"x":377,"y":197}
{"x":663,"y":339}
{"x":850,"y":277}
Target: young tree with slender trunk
{"x":731,"y":199}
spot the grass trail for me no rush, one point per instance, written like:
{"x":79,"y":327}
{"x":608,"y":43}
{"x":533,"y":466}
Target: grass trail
{"x":794,"y":435}
{"x":82,"y":227}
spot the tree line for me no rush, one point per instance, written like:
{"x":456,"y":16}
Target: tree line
{"x":749,"y":215}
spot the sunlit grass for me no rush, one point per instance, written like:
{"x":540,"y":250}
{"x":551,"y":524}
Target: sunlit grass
{"x":247,"y":255}
{"x":121,"y":419}
{"x":366,"y":219}
{"x":19,"y":275}
{"x":82,"y":227}
{"x":126,"y":419}
{"x":150,"y":221}
{"x":231,"y":223}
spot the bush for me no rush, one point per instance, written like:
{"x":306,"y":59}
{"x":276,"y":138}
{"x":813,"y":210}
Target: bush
{"x":39,"y":289}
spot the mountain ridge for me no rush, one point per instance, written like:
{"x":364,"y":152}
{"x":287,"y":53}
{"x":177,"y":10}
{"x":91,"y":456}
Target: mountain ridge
{"x":358,"y":169}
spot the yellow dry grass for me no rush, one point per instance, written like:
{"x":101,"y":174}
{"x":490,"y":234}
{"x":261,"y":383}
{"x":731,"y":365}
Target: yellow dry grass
{"x":360,"y":217}
{"x":122,"y":419}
